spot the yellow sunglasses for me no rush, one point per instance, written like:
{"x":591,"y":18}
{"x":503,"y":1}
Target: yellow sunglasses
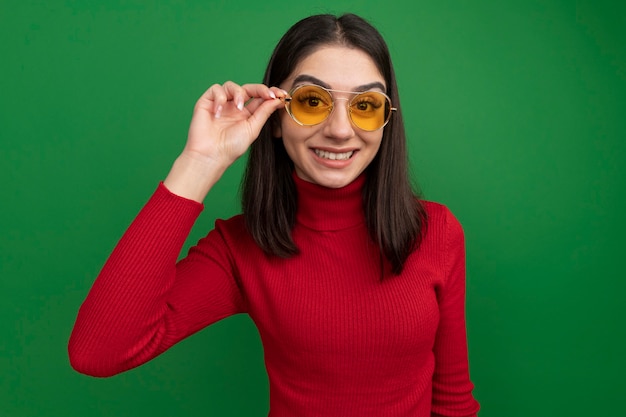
{"x":311,"y":104}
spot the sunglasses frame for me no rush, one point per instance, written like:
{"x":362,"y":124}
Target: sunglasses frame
{"x":288,"y":99}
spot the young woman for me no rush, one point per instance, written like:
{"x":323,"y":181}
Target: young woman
{"x":356,"y":286}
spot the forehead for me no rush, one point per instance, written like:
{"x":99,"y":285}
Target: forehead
{"x":339,"y":67}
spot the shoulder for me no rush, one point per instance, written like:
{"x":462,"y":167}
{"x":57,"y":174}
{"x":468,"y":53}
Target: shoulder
{"x":441,"y":219}
{"x":235,"y":224}
{"x":225,"y":233}
{"x":445,"y":239}
{"x":235,"y":234}
{"x":443,"y":234}
{"x":227,"y":242}
{"x":233,"y":231}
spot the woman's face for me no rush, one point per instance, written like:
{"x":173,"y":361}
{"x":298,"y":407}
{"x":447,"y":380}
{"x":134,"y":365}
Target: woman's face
{"x":334,"y":152}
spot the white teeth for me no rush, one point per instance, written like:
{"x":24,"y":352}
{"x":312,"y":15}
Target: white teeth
{"x":333,"y":156}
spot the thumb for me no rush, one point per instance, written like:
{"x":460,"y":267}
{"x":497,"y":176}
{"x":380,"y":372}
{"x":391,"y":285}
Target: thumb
{"x":262,"y":112}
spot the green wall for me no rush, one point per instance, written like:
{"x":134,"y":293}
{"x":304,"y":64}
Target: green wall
{"x":516,"y":119}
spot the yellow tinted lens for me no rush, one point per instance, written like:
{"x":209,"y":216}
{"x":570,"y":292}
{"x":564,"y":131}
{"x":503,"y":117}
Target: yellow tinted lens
{"x":310,"y":104}
{"x":370,"y":110}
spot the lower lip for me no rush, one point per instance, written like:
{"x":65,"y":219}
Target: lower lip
{"x":334,"y":163}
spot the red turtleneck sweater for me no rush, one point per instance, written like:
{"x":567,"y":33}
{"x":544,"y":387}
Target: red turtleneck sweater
{"x":338,"y":341}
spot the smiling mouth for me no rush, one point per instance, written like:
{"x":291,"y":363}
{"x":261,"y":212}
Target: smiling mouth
{"x":333,"y":156}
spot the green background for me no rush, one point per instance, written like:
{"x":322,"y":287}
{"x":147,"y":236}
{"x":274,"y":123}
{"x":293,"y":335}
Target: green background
{"x":516,"y":116}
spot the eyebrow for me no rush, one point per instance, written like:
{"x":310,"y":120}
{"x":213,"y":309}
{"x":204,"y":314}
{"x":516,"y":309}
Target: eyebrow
{"x":309,"y":78}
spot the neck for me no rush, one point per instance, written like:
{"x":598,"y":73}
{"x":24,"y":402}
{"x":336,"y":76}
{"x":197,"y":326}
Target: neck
{"x":326,"y":209}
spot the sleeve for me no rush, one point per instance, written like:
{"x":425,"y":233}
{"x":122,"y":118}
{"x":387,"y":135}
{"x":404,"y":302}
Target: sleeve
{"x":143,"y":301}
{"x":452,"y":388}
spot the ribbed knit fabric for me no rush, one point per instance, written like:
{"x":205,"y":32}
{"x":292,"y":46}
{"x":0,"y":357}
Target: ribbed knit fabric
{"x":338,"y":341}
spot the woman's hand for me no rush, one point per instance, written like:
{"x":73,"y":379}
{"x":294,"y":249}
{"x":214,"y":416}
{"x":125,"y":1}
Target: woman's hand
{"x":223,"y":126}
{"x":226,"y":120}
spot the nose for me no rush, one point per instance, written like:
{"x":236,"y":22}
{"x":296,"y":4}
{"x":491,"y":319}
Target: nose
{"x":338,"y":125}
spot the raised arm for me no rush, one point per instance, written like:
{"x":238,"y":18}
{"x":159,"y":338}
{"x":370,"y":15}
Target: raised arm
{"x":222,"y":128}
{"x":143,"y":302}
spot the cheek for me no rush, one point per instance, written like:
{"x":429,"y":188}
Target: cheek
{"x":292,"y":133}
{"x":293,"y":143}
{"x":284,"y":126}
{"x":374,"y":141}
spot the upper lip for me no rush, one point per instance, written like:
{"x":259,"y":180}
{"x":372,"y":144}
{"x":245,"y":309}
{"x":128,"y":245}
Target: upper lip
{"x":345,"y":150}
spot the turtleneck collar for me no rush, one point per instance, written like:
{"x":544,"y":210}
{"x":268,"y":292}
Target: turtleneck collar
{"x":324,"y":209}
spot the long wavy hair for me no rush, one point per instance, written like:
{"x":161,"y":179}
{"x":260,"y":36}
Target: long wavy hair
{"x":395,"y":218}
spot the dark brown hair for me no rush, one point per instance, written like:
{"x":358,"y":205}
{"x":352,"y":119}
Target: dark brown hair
{"x":395,"y":218}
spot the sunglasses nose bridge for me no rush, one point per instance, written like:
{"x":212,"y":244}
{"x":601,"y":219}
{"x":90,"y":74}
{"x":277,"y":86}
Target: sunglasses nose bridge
{"x":335,"y":105}
{"x":347,"y":106}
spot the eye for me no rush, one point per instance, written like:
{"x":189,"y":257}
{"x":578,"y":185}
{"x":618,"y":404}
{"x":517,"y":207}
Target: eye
{"x":311,"y":99}
{"x":366,"y":103}
{"x":363,"y":105}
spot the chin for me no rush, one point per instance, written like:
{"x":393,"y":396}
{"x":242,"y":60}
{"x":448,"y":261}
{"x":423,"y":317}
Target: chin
{"x":334,"y":181}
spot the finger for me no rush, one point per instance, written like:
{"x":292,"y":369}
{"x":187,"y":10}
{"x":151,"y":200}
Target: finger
{"x":261,"y":94}
{"x":253,"y":104}
{"x":279,"y":92}
{"x":236,"y":93}
{"x":216,"y":92}
{"x":261,"y":111}
{"x":213,"y":99}
{"x":261,"y":91}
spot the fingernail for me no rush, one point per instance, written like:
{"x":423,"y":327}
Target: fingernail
{"x":272,"y":95}
{"x":240,"y":104}
{"x":218,"y":112}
